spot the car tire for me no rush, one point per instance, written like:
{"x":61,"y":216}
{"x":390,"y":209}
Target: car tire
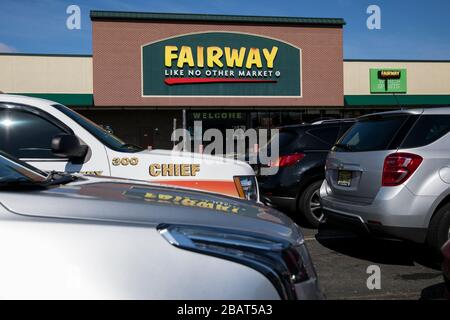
{"x":309,"y":205}
{"x":439,"y":229}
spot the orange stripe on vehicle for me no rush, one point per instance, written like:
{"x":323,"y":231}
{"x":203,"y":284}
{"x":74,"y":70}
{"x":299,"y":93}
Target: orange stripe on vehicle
{"x":223,"y":187}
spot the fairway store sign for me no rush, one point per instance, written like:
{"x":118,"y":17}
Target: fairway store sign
{"x":221,"y":64}
{"x":388,"y":81}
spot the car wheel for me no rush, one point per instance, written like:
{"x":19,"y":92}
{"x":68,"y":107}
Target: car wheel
{"x":309,"y":204}
{"x":439,"y":229}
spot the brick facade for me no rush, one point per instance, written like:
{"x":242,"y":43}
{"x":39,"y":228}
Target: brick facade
{"x":117,"y":63}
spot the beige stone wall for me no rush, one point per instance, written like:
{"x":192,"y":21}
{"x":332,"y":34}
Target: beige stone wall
{"x":72,"y":74}
{"x":422,"y":77}
{"x":45,"y":74}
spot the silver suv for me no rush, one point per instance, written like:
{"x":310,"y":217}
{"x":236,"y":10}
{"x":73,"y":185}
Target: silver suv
{"x":65,"y":236}
{"x":390,"y":174}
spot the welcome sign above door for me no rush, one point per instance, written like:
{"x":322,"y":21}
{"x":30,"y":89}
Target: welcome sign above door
{"x":221,"y":64}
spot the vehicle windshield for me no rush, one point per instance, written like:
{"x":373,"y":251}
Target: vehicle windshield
{"x":100,"y":133}
{"x":15,"y":171}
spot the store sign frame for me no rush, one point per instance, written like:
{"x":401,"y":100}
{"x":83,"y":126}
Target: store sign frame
{"x":388,"y":80}
{"x":221,"y":64}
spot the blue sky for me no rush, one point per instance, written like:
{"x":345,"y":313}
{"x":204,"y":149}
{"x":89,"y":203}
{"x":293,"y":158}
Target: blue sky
{"x":409,"y":29}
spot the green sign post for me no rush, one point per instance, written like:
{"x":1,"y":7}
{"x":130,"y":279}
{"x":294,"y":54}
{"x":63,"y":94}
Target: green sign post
{"x":388,"y":81}
{"x":221,"y":64}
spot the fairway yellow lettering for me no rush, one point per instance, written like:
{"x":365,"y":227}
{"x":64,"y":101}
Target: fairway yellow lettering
{"x":200,"y":57}
{"x":270,"y":56}
{"x":213,"y":56}
{"x":218,"y":57}
{"x":185,"y":57}
{"x":170,"y":55}
{"x":234,"y":58}
{"x":254,"y":58}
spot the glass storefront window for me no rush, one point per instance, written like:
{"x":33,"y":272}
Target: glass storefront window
{"x":291,"y":117}
{"x":312,"y":115}
{"x":264,"y":119}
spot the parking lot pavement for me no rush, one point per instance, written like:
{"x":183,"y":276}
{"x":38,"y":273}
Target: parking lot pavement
{"x":341,"y":260}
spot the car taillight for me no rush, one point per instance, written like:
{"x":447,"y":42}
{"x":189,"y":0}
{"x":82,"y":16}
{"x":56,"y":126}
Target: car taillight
{"x":288,"y":160}
{"x":398,"y":167}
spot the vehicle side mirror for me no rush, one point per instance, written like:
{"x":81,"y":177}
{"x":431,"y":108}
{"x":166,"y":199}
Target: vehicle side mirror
{"x":68,"y":146}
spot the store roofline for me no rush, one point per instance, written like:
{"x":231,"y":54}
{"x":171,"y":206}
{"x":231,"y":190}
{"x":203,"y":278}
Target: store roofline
{"x":46,"y":54}
{"x":122,"y":15}
{"x":90,"y":56}
{"x":395,"y":60}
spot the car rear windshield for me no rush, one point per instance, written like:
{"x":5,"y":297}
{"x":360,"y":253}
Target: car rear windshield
{"x":372,"y":133}
{"x":287,"y":142}
{"x":427,"y":129}
{"x":327,"y":135}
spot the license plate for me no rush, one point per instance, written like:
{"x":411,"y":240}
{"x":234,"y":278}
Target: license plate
{"x":344,"y":178}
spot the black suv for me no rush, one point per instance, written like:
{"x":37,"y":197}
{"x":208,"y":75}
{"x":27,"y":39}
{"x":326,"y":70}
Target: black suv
{"x":302,"y":155}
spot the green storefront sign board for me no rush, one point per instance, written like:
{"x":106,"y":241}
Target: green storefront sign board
{"x":380,"y":81}
{"x":221,"y":64}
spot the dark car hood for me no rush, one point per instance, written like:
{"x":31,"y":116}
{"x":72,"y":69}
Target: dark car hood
{"x":139,"y":203}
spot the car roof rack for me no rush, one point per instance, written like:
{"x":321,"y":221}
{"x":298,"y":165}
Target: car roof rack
{"x":332,"y":120}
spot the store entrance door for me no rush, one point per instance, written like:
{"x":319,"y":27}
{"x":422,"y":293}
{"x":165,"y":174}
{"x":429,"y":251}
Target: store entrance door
{"x":218,"y":119}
